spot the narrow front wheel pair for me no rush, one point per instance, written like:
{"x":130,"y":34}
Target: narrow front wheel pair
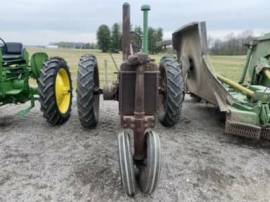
{"x":149,"y":168}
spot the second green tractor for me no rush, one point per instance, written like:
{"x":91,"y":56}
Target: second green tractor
{"x":24,"y":79}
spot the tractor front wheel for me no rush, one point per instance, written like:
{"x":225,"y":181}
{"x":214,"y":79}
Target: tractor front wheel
{"x":55,"y":91}
{"x":126,"y":164}
{"x":150,"y":169}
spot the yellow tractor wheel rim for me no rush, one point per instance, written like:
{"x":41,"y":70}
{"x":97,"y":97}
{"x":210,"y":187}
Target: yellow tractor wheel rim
{"x":62,"y":91}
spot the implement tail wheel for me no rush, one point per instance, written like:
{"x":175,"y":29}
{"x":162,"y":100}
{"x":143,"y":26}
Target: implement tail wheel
{"x":87,"y":91}
{"x":150,"y":168}
{"x":172,"y":83}
{"x":126,"y":164}
{"x":55,"y":91}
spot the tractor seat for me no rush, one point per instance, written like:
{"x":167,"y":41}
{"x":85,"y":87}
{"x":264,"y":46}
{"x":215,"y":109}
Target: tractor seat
{"x":13,"y":51}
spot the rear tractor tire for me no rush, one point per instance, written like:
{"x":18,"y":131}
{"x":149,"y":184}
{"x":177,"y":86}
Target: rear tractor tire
{"x":172,"y":83}
{"x":55,"y":91}
{"x":87,"y":91}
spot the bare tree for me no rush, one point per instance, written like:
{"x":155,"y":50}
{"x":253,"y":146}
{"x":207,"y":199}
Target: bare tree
{"x":232,"y":45}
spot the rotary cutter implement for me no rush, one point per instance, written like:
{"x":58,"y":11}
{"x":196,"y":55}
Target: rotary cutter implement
{"x":246,"y":103}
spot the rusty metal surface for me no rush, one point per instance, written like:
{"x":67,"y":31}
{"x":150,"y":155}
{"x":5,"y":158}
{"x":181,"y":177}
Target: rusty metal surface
{"x":126,"y":31}
{"x":139,"y":91}
{"x":139,"y":113}
{"x":138,"y":98}
{"x":190,"y":43}
{"x":127,"y":89}
{"x":138,"y":59}
{"x":137,"y":88}
{"x":128,"y":121}
{"x":110,"y":91}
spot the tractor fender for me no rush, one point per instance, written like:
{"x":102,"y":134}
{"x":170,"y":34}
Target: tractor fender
{"x":36,"y":62}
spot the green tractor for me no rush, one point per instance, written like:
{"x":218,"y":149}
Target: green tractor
{"x":52,"y":76}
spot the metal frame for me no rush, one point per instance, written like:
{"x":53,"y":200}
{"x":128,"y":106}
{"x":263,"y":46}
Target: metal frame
{"x":136,"y":76}
{"x":246,"y":104}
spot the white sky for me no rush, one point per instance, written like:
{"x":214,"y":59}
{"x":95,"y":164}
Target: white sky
{"x":38,"y":22}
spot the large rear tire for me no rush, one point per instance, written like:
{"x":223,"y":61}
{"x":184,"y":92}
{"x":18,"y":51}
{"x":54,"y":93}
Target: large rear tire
{"x":55,"y":91}
{"x":87,"y":91}
{"x":172,"y":83}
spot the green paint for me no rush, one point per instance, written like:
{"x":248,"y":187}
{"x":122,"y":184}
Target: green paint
{"x":249,"y":56}
{"x":145,"y":9}
{"x":259,"y":59}
{"x":264,"y":114}
{"x":37,"y":61}
{"x":248,"y":110}
{"x":244,"y":116}
{"x":15,"y":75}
{"x":253,"y":110}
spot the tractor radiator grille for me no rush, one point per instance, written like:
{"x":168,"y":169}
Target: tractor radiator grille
{"x":127,"y":92}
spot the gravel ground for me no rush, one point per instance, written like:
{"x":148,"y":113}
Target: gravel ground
{"x":68,"y":163}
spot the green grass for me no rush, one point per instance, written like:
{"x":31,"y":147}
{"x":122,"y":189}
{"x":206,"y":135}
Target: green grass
{"x":229,"y":66}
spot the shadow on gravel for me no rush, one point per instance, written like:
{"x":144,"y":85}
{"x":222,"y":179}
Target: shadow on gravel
{"x":211,"y":114}
{"x":6,"y":121}
{"x":251,"y":143}
{"x":100,"y":178}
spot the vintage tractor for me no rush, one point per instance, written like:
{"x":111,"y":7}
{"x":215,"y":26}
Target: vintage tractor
{"x":51,"y":75}
{"x":246,"y":103}
{"x":144,"y":92}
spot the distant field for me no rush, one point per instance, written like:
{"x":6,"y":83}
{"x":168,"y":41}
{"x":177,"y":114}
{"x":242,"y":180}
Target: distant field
{"x":229,"y":66}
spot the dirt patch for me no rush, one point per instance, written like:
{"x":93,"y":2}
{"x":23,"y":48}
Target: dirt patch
{"x":68,"y":163}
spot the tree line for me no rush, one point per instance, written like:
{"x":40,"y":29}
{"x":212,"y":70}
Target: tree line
{"x":76,"y":45}
{"x":231,"y":45}
{"x":110,"y":40}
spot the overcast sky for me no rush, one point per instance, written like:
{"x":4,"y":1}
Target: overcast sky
{"x":37,"y":22}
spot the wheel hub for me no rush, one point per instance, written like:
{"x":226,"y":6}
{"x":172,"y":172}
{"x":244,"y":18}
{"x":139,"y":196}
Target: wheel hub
{"x":62,"y":90}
